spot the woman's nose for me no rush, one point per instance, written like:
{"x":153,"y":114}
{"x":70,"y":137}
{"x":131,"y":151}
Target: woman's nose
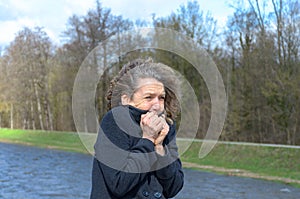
{"x":155,"y":104}
{"x":155,"y":107}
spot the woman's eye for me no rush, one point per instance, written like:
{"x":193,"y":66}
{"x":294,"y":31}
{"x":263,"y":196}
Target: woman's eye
{"x":162,"y":97}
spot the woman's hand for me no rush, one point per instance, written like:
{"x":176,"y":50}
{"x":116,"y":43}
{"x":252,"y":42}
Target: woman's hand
{"x":155,"y":128}
{"x":163,"y":133}
{"x":152,"y":125}
{"x":158,"y":142}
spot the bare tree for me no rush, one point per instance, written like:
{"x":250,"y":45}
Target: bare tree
{"x":27,"y":64}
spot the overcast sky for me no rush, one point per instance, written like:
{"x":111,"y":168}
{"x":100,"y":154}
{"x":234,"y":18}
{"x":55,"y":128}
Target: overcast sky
{"x":53,"y":15}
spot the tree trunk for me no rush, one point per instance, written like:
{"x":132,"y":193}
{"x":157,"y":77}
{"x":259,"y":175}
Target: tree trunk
{"x":261,"y":135}
{"x":26,"y":116}
{"x":50,"y":116}
{"x":24,"y":123}
{"x":294,"y":132}
{"x":11,"y":116}
{"x":48,"y":108}
{"x":32,"y":116}
{"x":47,"y":122}
{"x":288,"y":137}
{"x":278,"y":13}
{"x":38,"y":105}
{"x":85,"y":122}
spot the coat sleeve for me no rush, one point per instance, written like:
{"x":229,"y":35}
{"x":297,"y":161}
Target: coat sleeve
{"x":122,"y":163}
{"x":169,"y":172}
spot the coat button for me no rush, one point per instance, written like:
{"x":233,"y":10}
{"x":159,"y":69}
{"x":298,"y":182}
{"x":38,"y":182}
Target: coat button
{"x":157,"y":195}
{"x":146,"y":193}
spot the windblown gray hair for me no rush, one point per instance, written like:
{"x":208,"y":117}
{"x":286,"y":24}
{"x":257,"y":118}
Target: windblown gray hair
{"x":126,"y":82}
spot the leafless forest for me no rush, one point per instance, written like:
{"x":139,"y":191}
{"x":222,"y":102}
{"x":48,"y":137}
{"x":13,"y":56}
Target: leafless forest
{"x":257,"y":53}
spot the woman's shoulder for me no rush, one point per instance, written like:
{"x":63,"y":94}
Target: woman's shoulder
{"x":119,"y":119}
{"x":108,"y":116}
{"x":113,"y":114}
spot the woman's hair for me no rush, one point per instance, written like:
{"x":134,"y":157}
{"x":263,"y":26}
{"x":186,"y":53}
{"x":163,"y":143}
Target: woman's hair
{"x":126,"y":82}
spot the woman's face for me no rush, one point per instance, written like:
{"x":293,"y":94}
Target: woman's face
{"x":150,"y":96}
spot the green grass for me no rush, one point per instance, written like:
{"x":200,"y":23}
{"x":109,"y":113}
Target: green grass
{"x":67,"y":141}
{"x":265,"y":161}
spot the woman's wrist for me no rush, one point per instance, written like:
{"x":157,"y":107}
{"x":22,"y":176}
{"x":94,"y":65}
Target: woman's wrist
{"x":149,"y":138}
{"x":159,"y":149}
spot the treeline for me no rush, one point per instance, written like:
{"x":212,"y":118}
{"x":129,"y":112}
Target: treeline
{"x":257,"y":54}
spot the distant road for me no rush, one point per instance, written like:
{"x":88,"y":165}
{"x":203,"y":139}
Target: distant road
{"x":242,"y":143}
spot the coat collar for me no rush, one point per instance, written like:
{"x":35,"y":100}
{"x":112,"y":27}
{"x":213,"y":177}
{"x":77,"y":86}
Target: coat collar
{"x":136,"y":113}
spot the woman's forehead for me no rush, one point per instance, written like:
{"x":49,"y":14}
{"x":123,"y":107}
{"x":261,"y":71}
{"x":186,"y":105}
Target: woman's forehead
{"x":150,"y":85}
{"x":148,"y":81}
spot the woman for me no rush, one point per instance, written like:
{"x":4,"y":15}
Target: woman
{"x":135,"y":153}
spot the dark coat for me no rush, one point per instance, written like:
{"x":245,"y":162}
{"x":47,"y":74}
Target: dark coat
{"x":126,"y":165}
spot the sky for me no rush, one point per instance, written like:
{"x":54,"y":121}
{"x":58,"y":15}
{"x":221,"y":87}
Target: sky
{"x":53,"y":15}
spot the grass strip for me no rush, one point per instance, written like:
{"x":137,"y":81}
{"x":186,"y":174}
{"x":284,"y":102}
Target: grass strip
{"x":271,"y":163}
{"x":67,"y":141}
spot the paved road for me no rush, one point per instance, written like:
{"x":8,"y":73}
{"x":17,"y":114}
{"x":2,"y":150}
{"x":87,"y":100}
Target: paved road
{"x":30,"y":173}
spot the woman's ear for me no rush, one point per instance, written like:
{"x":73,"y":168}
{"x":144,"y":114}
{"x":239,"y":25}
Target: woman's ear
{"x":125,"y":100}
